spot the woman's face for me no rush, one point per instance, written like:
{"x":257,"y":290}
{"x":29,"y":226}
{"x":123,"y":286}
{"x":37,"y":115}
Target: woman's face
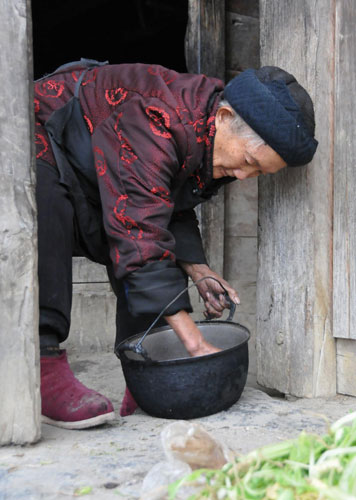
{"x":234,"y":156}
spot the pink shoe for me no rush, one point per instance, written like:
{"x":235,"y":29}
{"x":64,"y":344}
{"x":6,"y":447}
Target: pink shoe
{"x":66,"y":402}
{"x":128,"y":404}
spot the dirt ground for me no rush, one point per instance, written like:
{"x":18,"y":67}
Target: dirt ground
{"x":111,"y":461}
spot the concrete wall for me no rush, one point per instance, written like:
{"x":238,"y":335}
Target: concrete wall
{"x":93,"y":310}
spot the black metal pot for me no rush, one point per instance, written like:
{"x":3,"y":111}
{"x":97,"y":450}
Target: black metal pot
{"x":169,"y":384}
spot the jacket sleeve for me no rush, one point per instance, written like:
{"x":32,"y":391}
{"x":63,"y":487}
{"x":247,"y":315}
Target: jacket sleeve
{"x":185,"y":228}
{"x":138,"y":151}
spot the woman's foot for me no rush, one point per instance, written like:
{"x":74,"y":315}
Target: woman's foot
{"x":128,"y":404}
{"x":66,"y":402}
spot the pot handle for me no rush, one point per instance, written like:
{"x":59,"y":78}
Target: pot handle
{"x":138,"y":349}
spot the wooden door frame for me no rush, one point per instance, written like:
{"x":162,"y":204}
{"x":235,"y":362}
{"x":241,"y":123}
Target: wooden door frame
{"x":344,"y":255}
{"x":205,"y":53}
{"x":19,"y":369}
{"x":295,"y":345}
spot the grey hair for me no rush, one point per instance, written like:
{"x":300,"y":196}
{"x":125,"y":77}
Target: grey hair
{"x":240,"y":127}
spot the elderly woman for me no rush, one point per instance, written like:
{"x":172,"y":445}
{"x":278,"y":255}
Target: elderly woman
{"x":124,"y":154}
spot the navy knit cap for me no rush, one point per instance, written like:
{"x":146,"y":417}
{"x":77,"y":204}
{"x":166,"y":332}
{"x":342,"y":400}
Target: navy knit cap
{"x":263,"y":98}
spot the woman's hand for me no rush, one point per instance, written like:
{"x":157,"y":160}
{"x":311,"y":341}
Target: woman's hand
{"x":189,"y":334}
{"x":211,"y":292}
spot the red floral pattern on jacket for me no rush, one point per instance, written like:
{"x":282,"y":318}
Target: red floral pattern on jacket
{"x":152,"y":132}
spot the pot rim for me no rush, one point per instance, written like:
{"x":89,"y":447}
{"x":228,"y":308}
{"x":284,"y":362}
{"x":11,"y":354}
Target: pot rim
{"x":178,"y":361}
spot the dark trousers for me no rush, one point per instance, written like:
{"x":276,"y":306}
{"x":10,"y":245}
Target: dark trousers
{"x":65,"y":229}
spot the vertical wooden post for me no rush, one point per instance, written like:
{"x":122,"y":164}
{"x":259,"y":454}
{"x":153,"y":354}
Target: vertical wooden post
{"x":345,"y":178}
{"x":19,"y":387}
{"x":205,"y":53}
{"x":295,"y":347}
{"x":344,"y":263}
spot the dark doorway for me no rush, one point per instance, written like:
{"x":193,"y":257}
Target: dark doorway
{"x":148,"y":31}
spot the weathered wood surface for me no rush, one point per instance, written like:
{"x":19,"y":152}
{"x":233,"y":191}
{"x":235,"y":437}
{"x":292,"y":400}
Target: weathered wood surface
{"x":205,"y":53}
{"x":240,"y":252}
{"x":344,"y":172}
{"x":295,"y":347}
{"x":242,"y":43}
{"x":19,"y":365}
{"x":346,"y":362}
{"x":246,"y":8}
{"x":205,"y":37}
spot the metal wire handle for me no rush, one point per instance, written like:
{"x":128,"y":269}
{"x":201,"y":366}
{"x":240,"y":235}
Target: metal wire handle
{"x":138,"y":349}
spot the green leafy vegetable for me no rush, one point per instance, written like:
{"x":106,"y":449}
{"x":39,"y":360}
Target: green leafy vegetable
{"x":309,"y":467}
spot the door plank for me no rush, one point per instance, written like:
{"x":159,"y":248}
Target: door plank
{"x":205,"y":53}
{"x":344,"y":262}
{"x":346,"y":362}
{"x":295,"y":346}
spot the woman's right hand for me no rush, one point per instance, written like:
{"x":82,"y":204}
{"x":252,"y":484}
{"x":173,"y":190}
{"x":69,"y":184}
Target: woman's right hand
{"x":190,"y":335}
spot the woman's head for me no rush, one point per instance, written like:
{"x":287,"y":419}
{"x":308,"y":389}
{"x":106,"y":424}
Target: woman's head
{"x":278,"y":110}
{"x":238,"y":151}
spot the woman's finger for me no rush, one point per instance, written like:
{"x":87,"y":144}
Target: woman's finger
{"x":212,"y":311}
{"x":214,"y":302}
{"x":218,"y":288}
{"x":223,"y":301}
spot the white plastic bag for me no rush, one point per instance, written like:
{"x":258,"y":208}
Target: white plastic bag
{"x":187,"y":446}
{"x":192,"y":444}
{"x":155,"y":483}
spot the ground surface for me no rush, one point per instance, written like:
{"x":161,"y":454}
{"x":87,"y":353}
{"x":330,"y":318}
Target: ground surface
{"x":114,"y":459}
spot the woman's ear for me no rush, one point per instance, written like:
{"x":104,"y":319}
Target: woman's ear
{"x":223,"y":114}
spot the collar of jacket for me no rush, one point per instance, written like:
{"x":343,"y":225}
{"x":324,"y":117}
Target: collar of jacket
{"x":206,"y":186}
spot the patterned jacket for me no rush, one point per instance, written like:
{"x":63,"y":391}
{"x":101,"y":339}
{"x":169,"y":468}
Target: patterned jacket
{"x":151,"y":133}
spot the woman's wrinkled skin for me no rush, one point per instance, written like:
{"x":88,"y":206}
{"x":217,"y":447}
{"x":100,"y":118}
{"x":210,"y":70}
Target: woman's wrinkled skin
{"x":235,"y":156}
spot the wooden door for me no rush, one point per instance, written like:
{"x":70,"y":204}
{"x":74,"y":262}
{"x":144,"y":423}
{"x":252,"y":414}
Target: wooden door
{"x":205,"y":53}
{"x":295,"y":344}
{"x":344,"y":255}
